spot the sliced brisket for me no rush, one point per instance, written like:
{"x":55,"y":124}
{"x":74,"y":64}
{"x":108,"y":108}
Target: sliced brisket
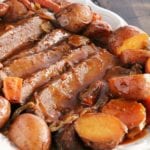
{"x":62,"y":93}
{"x":15,"y":38}
{"x":42,"y":77}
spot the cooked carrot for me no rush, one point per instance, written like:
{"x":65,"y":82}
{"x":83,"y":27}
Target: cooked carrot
{"x":12,"y":87}
{"x":131,"y":113}
{"x":100,"y":131}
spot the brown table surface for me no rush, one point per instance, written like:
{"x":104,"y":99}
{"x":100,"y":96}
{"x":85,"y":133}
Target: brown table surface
{"x":135,"y":12}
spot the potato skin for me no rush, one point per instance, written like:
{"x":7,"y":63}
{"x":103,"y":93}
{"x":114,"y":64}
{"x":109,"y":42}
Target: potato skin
{"x":29,"y":132}
{"x":5,"y":111}
{"x":135,"y":56}
{"x":118,"y":37}
{"x":131,"y":113}
{"x":134,"y":87}
{"x":74,"y":17}
{"x":97,"y":133}
{"x":99,"y":31}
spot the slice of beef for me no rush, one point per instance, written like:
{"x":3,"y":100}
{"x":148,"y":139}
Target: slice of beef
{"x":62,"y":93}
{"x":15,"y":38}
{"x":46,"y":42}
{"x":25,"y":66}
{"x":42,"y":77}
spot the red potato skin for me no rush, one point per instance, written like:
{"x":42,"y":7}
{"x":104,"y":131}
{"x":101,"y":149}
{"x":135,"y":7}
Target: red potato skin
{"x":3,"y":9}
{"x":103,"y":143}
{"x":146,"y":103}
{"x":134,"y":56}
{"x":131,"y":113}
{"x":29,"y":132}
{"x":99,"y":31}
{"x":117,"y":38}
{"x":5,"y":111}
{"x":75,"y":17}
{"x":16,"y":11}
{"x":134,"y":87}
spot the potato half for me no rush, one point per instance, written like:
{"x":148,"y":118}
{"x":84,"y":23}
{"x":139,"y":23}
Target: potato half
{"x":100,"y":131}
{"x":127,"y":37}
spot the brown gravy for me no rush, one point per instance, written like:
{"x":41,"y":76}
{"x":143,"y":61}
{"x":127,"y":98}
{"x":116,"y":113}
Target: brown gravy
{"x":137,"y":137}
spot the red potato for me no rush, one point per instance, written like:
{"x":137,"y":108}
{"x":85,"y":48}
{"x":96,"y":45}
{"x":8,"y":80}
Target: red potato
{"x":146,"y":103}
{"x":147,"y":66}
{"x":99,"y":31}
{"x":135,"y":56}
{"x":3,"y":9}
{"x":16,"y":11}
{"x":131,"y":113}
{"x":100,"y":131}
{"x":127,"y":37}
{"x":134,"y":87}
{"x":5,"y":111}
{"x":29,"y":132}
{"x":74,"y":17}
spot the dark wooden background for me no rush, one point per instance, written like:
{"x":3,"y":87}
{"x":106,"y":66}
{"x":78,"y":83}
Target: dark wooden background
{"x":135,"y":12}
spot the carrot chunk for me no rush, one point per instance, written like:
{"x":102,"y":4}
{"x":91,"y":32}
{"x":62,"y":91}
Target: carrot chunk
{"x":12,"y":89}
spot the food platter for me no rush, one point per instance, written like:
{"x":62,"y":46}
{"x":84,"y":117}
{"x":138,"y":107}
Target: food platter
{"x":51,"y":87}
{"x":116,"y":21}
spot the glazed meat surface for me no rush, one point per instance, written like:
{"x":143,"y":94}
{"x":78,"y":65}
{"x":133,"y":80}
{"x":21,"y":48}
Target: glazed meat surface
{"x":40,"y":78}
{"x":15,"y":38}
{"x":62,"y":93}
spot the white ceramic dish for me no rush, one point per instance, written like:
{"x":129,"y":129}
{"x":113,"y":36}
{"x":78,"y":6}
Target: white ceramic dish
{"x":116,"y":21}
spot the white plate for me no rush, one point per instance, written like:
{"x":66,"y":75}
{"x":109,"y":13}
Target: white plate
{"x":116,"y":21}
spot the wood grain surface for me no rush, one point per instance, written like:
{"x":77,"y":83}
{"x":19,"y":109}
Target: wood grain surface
{"x":135,"y":12}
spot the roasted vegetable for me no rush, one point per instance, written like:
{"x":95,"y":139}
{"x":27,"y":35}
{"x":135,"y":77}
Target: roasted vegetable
{"x":3,"y":9}
{"x":99,"y":31}
{"x":134,"y":87}
{"x":135,"y":56}
{"x":75,"y":17}
{"x":29,"y":132}
{"x":131,"y":113}
{"x":146,"y":103}
{"x":16,"y":11}
{"x":127,"y":37}
{"x":5,"y":111}
{"x":100,"y":131}
{"x":12,"y":89}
